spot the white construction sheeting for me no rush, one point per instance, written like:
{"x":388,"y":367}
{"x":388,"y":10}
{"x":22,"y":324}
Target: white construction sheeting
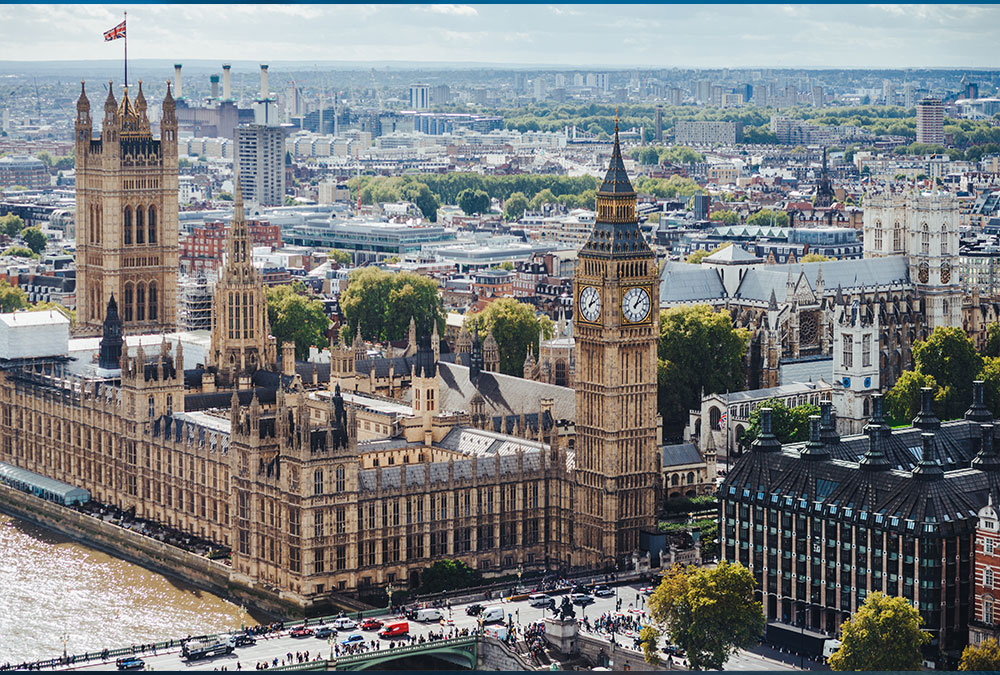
{"x":32,"y":335}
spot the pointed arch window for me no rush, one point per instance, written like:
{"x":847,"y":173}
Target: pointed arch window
{"x":140,"y":225}
{"x":944,"y":240}
{"x":127,"y":303}
{"x":152,"y":225}
{"x":154,"y":301}
{"x":140,"y":302}
{"x":127,"y":226}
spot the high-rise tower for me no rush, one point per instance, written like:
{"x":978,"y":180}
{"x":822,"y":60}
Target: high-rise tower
{"x":616,"y":325}
{"x":241,"y":340}
{"x":126,"y":215}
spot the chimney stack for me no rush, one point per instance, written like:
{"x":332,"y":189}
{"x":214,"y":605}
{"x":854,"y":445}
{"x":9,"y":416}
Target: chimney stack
{"x":263,"y":81}
{"x":177,"y":81}
{"x":214,"y":79}
{"x":227,"y":89}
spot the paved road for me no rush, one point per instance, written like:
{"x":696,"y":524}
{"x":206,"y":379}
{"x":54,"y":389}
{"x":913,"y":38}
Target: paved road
{"x":278,"y":646}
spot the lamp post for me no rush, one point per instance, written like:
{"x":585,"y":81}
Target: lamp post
{"x":330,"y":641}
{"x":242,"y":614}
{"x":65,"y":640}
{"x":616,"y":583}
{"x":389,"y":590}
{"x":520,"y":571}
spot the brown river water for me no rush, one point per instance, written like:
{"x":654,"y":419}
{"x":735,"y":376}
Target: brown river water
{"x":54,"y":589}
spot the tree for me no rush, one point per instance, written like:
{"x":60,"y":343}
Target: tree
{"x":383,"y":302}
{"x":697,"y":256}
{"x":766,"y":217}
{"x":12,"y":298}
{"x":698,"y":348}
{"x":515,"y":206}
{"x":296,"y":318}
{"x":790,"y":425}
{"x":515,"y":326}
{"x":34,"y":239}
{"x":902,"y":403}
{"x":19,"y":252}
{"x":949,"y":356}
{"x":990,"y":375}
{"x":339,"y":257}
{"x":449,"y":575}
{"x":725,"y":217}
{"x":708,"y":612}
{"x":814,"y":257}
{"x":984,"y":656}
{"x":11,"y":224}
{"x":543,"y":197}
{"x":473,"y":201}
{"x":884,"y":634}
{"x":424,"y":199}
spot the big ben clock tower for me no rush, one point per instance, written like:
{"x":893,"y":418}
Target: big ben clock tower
{"x":616,"y":292}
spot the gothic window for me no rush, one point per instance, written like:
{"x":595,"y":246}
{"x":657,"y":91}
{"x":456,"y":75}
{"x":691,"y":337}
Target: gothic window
{"x":140,"y":302}
{"x":152,"y":224}
{"x":127,"y":225}
{"x":923,"y":272}
{"x":897,"y":236}
{"x":925,"y":239}
{"x":170,"y":404}
{"x":808,"y":328}
{"x":140,"y":225}
{"x":878,"y":235}
{"x":152,"y":407}
{"x":848,"y":351}
{"x":127,"y":304}
{"x":153,"y":301}
{"x":866,"y":350}
{"x":866,"y":407}
{"x":318,"y":525}
{"x":944,"y":240}
{"x":318,"y":482}
{"x":340,"y":479}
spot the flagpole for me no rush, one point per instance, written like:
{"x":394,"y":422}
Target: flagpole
{"x":125,"y":21}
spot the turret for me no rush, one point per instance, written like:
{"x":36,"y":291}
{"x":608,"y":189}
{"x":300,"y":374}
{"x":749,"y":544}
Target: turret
{"x":84,"y":125}
{"x":926,"y":419}
{"x":928,"y":468}
{"x":978,"y":412}
{"x":986,"y":459}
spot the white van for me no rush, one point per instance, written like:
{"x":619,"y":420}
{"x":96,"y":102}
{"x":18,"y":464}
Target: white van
{"x":540,"y":600}
{"x":492,"y":615}
{"x":430,"y":614}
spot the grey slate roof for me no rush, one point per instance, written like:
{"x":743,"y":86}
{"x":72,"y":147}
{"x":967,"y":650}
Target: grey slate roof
{"x":504,"y":394}
{"x":758,"y":283}
{"x":683,"y":282}
{"x":732,"y":254}
{"x":680,"y":454}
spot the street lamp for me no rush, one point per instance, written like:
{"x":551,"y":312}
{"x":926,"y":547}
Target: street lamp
{"x":242,"y":614}
{"x":330,"y":641}
{"x":520,"y":571}
{"x":65,"y":640}
{"x":389,"y":590}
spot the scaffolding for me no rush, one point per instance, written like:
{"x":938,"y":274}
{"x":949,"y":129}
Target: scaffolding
{"x":196,"y":303}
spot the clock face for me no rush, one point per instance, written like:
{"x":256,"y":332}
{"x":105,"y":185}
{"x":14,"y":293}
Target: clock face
{"x":945,"y":273}
{"x":590,"y":303}
{"x":635,"y":304}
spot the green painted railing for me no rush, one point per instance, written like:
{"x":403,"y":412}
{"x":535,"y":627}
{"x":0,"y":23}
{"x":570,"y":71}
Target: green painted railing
{"x":351,"y":662}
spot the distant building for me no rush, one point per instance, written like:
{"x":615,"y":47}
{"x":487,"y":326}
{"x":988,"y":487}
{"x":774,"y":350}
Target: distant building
{"x":259,"y":160}
{"x":420,"y":96}
{"x":201,"y":251}
{"x":708,"y":133}
{"x":930,"y":121}
{"x":23,"y":171}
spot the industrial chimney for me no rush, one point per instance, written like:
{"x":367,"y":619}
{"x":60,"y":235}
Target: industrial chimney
{"x":263,"y":82}
{"x":227,"y":89}
{"x":177,"y":81}
{"x":214,"y":79}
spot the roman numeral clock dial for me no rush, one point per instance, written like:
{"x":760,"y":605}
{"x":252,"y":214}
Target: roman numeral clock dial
{"x":635,"y":305}
{"x":590,"y":304}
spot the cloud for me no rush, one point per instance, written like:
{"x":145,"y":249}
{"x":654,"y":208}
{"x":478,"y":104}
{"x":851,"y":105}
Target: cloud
{"x":452,"y":10}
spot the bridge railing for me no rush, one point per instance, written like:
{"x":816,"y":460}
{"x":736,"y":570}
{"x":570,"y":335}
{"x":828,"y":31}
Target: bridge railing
{"x":401,"y":650}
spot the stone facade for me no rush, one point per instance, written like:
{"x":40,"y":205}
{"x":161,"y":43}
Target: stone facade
{"x":126,"y":215}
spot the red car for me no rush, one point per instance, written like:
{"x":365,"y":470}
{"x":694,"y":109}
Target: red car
{"x":371,"y":624}
{"x":301,"y":632}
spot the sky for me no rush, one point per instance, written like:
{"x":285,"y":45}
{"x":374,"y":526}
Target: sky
{"x":611,"y":35}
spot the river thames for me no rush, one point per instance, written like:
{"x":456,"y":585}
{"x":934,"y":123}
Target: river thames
{"x":55,"y":589}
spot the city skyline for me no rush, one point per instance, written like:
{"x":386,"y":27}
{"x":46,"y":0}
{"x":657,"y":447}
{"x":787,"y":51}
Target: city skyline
{"x":659,"y":36}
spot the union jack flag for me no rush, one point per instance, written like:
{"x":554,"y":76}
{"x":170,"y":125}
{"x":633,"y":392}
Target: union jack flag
{"x":722,"y":419}
{"x":115,"y":33}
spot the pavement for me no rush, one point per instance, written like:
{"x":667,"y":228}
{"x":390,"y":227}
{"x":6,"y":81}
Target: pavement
{"x":274,"y":649}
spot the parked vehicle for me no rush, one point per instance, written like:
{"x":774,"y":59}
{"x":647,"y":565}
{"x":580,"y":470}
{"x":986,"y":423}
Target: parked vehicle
{"x":493,"y":615}
{"x":394,"y":630}
{"x":203,"y":647}
{"x":581,"y":599}
{"x":541,"y":600}
{"x":324,"y":632}
{"x":800,"y":640}
{"x":130,"y":663}
{"x":301,"y":632}
{"x":371,"y":624}
{"x":474,"y":609}
{"x":344,"y":623}
{"x":429,"y":614}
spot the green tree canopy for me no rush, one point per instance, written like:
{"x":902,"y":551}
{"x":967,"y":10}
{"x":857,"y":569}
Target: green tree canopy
{"x":11,"y":225}
{"x":789,"y":425}
{"x":19,"y":252}
{"x":697,"y":256}
{"x":992,"y":346}
{"x":423,"y":198}
{"x":725,"y":217}
{"x":34,"y":239}
{"x":902,"y":403}
{"x":766,"y":217}
{"x":698,"y":348}
{"x":296,"y":318}
{"x":383,"y":303}
{"x":983,"y":657}
{"x":949,"y":356}
{"x":814,"y":257}
{"x":514,"y":325}
{"x":884,"y":634}
{"x":709,"y":612}
{"x":12,"y":298}
{"x":449,"y":575}
{"x":515,"y":206}
{"x":338,"y":256}
{"x":474,"y":201}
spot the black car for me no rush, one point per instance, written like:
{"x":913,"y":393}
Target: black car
{"x":673,"y":650}
{"x":582,"y":599}
{"x":474,"y":609}
{"x":244,"y":640}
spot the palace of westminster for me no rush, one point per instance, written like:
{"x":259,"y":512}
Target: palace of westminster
{"x":342,"y":480}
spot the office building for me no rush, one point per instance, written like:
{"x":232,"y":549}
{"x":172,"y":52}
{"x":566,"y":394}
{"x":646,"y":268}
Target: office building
{"x":930,"y":121}
{"x":259,"y":161}
{"x":707,"y":133}
{"x":420,"y":96}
